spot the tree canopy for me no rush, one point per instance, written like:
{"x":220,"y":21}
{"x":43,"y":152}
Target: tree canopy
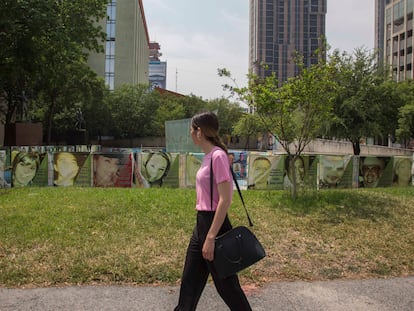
{"x":44,"y":46}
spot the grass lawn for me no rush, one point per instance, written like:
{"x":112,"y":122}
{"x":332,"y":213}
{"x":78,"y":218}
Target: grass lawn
{"x":61,"y":236}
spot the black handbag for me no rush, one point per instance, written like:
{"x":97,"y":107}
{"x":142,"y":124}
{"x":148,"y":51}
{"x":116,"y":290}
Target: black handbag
{"x":238,"y":248}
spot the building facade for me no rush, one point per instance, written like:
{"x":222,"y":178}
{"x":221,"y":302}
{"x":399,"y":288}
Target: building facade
{"x":125,"y":59}
{"x":398,"y":38}
{"x":157,"y":71}
{"x":281,"y":29}
{"x":379,"y":28}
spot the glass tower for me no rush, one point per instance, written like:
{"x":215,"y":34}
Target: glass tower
{"x":281,"y":29}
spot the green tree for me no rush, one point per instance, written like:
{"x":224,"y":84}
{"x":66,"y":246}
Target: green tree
{"x":366,"y":105}
{"x":86,"y":95}
{"x":228,"y":114}
{"x":405,"y":131}
{"x":64,"y":61}
{"x":192,"y":105}
{"x":248,"y":126}
{"x":22,"y":23}
{"x":132,"y":108}
{"x":170,"y":108}
{"x":295,"y":111}
{"x":45,"y":46}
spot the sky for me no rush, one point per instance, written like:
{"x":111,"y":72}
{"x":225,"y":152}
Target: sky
{"x":197,"y":37}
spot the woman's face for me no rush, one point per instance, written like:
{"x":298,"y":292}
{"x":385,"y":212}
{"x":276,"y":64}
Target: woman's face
{"x":156,"y":167}
{"x":332,"y":169}
{"x":24,"y":171}
{"x":106,"y":170}
{"x":66,"y":165}
{"x":194,"y":134}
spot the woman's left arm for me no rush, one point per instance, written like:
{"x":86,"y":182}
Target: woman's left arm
{"x":225,"y":190}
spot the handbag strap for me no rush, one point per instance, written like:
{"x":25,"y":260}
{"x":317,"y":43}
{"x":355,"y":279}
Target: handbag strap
{"x":237,"y":186}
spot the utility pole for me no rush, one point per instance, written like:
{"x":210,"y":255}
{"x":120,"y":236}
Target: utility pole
{"x":176,"y":80}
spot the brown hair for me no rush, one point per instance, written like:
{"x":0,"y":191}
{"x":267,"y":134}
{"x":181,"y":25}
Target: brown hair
{"x":208,"y":123}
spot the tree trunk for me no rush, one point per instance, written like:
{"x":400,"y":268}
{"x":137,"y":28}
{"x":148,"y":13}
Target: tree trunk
{"x":356,"y":146}
{"x":247,"y":142}
{"x":294,"y":188}
{"x":50,"y":119}
{"x":11,"y":107}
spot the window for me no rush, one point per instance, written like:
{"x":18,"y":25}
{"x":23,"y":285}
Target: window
{"x":110,"y":45}
{"x":410,"y":6}
{"x":388,"y":16}
{"x":398,"y":15}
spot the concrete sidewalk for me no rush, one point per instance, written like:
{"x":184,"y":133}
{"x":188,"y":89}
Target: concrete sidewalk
{"x":374,"y":294}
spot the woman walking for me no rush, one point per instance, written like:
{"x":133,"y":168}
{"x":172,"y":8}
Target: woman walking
{"x":212,"y":220}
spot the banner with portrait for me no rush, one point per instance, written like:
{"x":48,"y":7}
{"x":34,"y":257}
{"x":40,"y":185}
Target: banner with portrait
{"x":192,"y":163}
{"x":303,"y":169}
{"x":68,"y":168}
{"x":402,"y":171}
{"x":112,"y":169}
{"x":3,"y":168}
{"x":375,"y":171}
{"x":335,"y":171}
{"x":28,"y":167}
{"x":238,"y":162}
{"x":265,"y":171}
{"x":156,"y":169}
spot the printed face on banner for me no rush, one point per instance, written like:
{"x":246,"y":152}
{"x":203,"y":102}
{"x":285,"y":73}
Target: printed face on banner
{"x":371,"y":171}
{"x":25,"y":165}
{"x":402,"y":172}
{"x":112,"y":169}
{"x":106,"y":169}
{"x":260,"y":172}
{"x":332,"y":169}
{"x":265,"y":171}
{"x":238,"y":160}
{"x":155,"y":166}
{"x":157,"y":169}
{"x":66,"y":167}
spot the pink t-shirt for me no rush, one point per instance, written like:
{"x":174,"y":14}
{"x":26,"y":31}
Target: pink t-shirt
{"x":221,"y":173}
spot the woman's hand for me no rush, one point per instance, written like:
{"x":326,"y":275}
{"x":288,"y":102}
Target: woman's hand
{"x":225,"y":190}
{"x":208,"y":249}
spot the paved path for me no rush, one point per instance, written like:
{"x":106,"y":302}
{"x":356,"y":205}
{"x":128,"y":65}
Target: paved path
{"x":375,"y":295}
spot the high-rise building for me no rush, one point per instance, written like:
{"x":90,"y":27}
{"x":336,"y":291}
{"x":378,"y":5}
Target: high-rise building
{"x":379,"y":28}
{"x":281,"y":29}
{"x":398,"y":38}
{"x":125,"y":59}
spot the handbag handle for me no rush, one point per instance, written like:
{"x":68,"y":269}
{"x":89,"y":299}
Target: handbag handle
{"x":237,"y":186}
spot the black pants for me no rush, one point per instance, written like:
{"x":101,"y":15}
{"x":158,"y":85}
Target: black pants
{"x":197,"y":270}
